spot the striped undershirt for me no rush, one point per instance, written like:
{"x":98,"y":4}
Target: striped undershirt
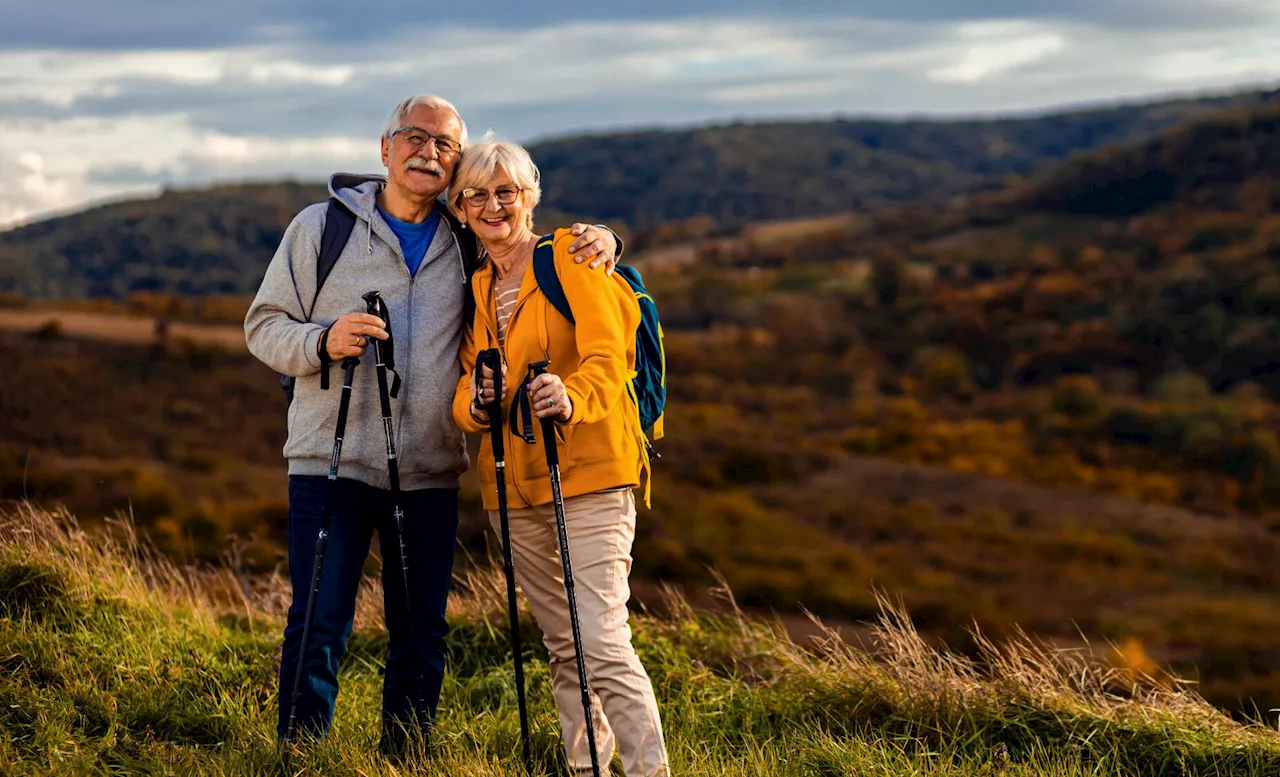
{"x":505,"y":292}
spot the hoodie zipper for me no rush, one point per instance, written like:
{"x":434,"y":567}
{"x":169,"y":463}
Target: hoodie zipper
{"x":413,"y":279}
{"x":408,"y":360}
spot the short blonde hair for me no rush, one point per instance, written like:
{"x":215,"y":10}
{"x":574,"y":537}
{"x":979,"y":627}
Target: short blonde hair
{"x":478,"y":164}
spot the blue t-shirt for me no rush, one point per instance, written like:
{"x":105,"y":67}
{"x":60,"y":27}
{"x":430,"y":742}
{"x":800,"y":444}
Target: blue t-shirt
{"x":414,"y":239}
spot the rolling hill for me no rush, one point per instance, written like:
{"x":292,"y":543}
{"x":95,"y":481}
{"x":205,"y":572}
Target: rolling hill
{"x":217,"y":240}
{"x":788,"y":170}
{"x":1227,"y":161}
{"x":1230,"y":161}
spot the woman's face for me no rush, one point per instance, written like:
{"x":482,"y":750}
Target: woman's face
{"x":495,"y":210}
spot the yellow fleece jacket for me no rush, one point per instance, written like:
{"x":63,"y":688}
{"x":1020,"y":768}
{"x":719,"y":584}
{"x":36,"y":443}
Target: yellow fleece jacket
{"x":600,"y":446}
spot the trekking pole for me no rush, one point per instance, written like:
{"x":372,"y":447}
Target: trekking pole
{"x":553,"y":467}
{"x":384,"y":353}
{"x":493,"y":360}
{"x":322,"y":540}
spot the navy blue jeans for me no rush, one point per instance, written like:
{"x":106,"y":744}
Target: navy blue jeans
{"x":415,"y":651}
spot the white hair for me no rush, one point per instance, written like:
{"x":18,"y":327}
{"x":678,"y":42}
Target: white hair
{"x":398,"y":116}
{"x":479,"y":163}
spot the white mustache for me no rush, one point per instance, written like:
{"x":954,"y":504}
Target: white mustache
{"x":430,"y":165}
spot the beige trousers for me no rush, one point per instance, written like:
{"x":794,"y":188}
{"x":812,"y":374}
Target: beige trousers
{"x":601,"y":529}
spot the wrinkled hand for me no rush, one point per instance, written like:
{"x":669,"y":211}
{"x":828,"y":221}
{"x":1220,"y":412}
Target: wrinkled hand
{"x":482,"y":385}
{"x":594,"y":244}
{"x":349,"y":335}
{"x":548,"y":397}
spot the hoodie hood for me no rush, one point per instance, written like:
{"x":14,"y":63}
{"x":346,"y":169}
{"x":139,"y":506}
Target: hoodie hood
{"x":358,"y":191}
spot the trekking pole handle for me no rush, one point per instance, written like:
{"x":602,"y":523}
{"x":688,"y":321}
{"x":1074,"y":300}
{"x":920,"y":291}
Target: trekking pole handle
{"x":373,"y":305}
{"x":548,"y":423}
{"x":493,"y":360}
{"x":384,"y":349}
{"x":495,"y":364}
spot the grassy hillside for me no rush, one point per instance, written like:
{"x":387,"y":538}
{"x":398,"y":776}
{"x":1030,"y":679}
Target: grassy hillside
{"x":116,"y":661}
{"x":1010,"y":408}
{"x":1225,"y":162}
{"x":218,"y":240}
{"x":204,"y":241}
{"x":1145,"y":260}
{"x":801,"y":492}
{"x":1008,"y":413}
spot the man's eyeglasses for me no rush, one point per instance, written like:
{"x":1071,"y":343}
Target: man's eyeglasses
{"x":418,"y":137}
{"x":478,"y":198}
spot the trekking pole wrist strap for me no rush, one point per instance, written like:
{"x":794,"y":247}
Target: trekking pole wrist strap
{"x":322,"y":349}
{"x":522,"y":414}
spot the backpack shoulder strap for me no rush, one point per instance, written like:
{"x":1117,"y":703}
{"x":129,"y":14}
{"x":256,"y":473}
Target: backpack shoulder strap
{"x":544,"y":272}
{"x":469,"y":247}
{"x":467,"y":243}
{"x":338,"y":224}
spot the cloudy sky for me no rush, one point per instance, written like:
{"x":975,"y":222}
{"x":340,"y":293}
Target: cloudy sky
{"x":101,"y":98}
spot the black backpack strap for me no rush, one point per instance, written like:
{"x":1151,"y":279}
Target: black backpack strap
{"x":470,"y":248}
{"x":466,"y":240}
{"x":339,"y":222}
{"x":338,"y":225}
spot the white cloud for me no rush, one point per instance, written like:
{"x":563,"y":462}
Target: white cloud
{"x":60,"y":164}
{"x":1250,"y":55}
{"x":769,"y":91}
{"x":292,"y":72}
{"x":105,"y":123}
{"x":36,"y":185}
{"x":60,"y":77}
{"x":225,"y":156}
{"x":995,"y":47}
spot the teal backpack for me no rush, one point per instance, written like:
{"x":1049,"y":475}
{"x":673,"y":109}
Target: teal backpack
{"x":649,"y":387}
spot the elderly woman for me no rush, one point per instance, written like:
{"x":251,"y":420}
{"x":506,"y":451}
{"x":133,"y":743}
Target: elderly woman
{"x":494,"y":192}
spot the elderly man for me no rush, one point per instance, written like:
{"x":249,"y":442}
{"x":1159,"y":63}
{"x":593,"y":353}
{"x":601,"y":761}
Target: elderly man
{"x":406,"y":245}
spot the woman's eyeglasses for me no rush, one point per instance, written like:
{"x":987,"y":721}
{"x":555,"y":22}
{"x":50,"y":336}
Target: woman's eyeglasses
{"x":478,"y":198}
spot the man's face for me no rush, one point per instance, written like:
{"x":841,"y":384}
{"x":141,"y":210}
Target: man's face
{"x":422,"y":171}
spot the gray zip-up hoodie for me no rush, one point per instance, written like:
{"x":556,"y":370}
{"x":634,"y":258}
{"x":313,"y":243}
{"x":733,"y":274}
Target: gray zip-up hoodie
{"x":426,"y":325}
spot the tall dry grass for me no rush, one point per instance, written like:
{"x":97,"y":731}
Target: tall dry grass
{"x":118,"y":661}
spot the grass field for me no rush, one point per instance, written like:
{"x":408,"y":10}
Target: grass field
{"x":115,"y":661}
